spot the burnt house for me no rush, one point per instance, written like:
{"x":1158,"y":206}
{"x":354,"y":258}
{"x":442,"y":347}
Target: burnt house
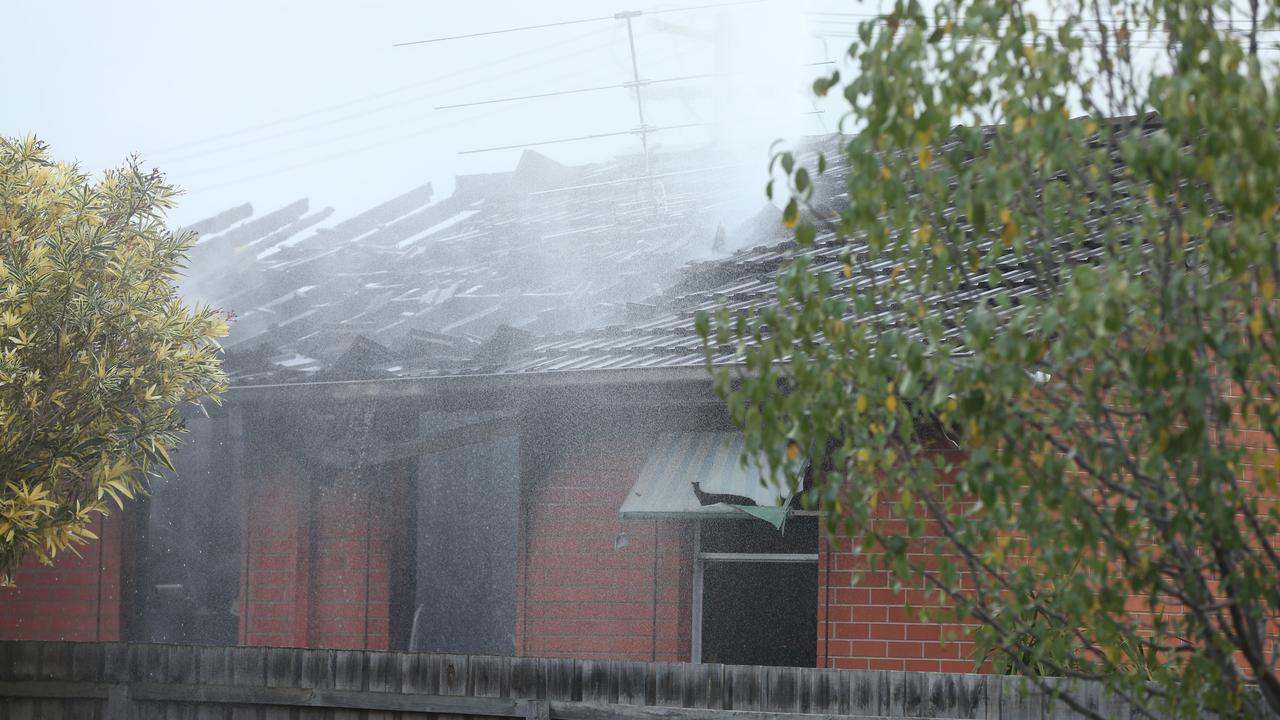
{"x":472,"y":425}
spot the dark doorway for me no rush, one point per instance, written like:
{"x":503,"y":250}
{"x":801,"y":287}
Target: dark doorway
{"x":186,"y":583}
{"x":468,"y":498}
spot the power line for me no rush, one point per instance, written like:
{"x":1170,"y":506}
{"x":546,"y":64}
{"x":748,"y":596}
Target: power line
{"x":424,"y":131}
{"x":626,"y":16}
{"x":642,"y":130}
{"x":615,"y":86}
{"x":364,"y":131}
{"x":594,"y":136}
{"x":535,"y":96}
{"x":333,"y":156}
{"x":374,"y":96}
{"x":291,"y":131}
{"x":618,"y":16}
{"x":371,"y":111}
{"x":500,"y":32}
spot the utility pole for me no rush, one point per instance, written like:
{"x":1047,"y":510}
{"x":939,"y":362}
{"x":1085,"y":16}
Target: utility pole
{"x":636,"y":83}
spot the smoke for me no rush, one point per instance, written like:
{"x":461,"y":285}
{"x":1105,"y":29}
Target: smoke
{"x":571,"y":237}
{"x":766,"y":60}
{"x":764,"y":57}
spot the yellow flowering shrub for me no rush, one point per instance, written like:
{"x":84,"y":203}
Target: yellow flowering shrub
{"x":98,"y":353}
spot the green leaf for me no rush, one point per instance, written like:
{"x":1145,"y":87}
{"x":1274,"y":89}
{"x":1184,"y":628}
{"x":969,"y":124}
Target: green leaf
{"x":791,"y":214}
{"x":804,"y":234}
{"x":702,"y":324}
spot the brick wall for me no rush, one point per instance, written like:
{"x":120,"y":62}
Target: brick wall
{"x":276,"y":549}
{"x":76,"y":598}
{"x":580,"y":597}
{"x":312,"y":581}
{"x":351,"y":592}
{"x":863,"y":623}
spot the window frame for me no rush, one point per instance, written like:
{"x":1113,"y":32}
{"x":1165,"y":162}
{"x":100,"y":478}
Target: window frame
{"x":700,"y":559}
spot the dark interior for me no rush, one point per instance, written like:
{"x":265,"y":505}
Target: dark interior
{"x":187,"y":579}
{"x":760,"y":613}
{"x":467,"y":504}
{"x":757,"y":613}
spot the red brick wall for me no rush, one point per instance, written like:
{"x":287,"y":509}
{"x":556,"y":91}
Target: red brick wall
{"x":864,"y":624}
{"x":577,"y":595}
{"x":350,"y":605}
{"x":311,"y":579}
{"x":77,"y":598}
{"x":276,"y":549}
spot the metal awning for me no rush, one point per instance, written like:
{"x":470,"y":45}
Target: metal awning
{"x":713,"y":459}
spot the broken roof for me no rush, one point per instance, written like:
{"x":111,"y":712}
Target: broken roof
{"x":662,"y":333}
{"x":547,"y":269}
{"x":420,"y":285}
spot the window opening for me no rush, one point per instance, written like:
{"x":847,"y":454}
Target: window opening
{"x":755,"y":593}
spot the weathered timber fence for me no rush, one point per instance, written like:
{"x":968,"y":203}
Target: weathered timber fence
{"x":119,"y":681}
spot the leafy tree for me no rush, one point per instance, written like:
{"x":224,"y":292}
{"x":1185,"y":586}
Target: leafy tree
{"x":97,"y":352}
{"x":1058,"y":263}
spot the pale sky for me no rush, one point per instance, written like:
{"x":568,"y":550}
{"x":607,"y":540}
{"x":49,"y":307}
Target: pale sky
{"x":268,"y":101}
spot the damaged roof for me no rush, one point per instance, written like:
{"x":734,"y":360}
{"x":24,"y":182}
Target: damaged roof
{"x":663,"y":335}
{"x":547,"y":269}
{"x":421,"y":285}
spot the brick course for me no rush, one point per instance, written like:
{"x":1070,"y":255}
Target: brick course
{"x":864,"y":623}
{"x":76,"y":598}
{"x":317,"y":567}
{"x":578,"y":595}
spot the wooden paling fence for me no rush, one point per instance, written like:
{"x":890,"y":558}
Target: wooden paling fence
{"x":115,"y":681}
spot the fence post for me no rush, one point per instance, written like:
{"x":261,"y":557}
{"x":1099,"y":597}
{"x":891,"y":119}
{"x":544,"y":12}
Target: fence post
{"x":118,"y":703}
{"x":537,"y":710}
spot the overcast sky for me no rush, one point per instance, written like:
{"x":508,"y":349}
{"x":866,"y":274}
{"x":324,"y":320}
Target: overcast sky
{"x":268,"y":101}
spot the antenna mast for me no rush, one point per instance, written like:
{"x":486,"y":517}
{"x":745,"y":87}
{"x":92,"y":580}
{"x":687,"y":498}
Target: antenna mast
{"x":636,"y":83}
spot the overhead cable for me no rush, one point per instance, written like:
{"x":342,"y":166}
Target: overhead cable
{"x":541,"y":26}
{"x":594,"y":136}
{"x":452,"y":75}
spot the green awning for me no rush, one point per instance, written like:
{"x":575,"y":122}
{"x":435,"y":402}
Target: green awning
{"x":664,"y":489}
